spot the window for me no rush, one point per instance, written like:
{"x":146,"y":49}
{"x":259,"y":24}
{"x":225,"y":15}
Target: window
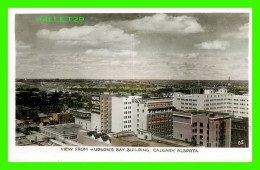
{"x":180,"y":135}
{"x":201,"y":124}
{"x":201,"y":130}
{"x":72,"y":137}
{"x":194,"y":130}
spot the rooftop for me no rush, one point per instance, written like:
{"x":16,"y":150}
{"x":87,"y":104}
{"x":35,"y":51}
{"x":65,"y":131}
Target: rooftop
{"x":42,"y":115}
{"x":212,"y":115}
{"x":148,"y":101}
{"x":63,"y":129}
{"x":131,"y":140}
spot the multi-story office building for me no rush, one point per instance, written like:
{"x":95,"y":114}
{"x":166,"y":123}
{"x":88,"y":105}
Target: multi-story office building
{"x":121,"y":113}
{"x":105,"y":112}
{"x":116,"y":113}
{"x":154,"y":116}
{"x":211,"y":100}
{"x":202,"y":128}
{"x":128,"y":121}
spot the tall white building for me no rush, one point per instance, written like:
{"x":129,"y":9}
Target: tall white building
{"x":211,"y":100}
{"x":121,"y":113}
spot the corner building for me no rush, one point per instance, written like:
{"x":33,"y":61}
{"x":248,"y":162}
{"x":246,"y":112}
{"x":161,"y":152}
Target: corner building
{"x":154,"y":116}
{"x":211,"y":100}
{"x":205,"y":129}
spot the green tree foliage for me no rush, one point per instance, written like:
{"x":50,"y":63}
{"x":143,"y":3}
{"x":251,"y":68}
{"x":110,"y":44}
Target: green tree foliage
{"x":235,"y":90}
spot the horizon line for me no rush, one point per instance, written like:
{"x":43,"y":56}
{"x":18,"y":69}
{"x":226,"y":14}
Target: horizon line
{"x":128,"y":79}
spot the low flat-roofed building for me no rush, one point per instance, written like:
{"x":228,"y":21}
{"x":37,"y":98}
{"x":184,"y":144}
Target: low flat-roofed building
{"x":36,"y":138}
{"x":20,"y":140}
{"x":83,"y":122}
{"x":86,"y":114}
{"x":62,"y":131}
{"x":20,"y":135}
{"x":129,"y":139}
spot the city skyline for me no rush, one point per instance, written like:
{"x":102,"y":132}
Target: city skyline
{"x":181,"y":46}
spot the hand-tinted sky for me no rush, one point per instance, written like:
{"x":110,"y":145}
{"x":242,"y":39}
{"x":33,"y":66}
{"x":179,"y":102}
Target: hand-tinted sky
{"x":206,"y":46}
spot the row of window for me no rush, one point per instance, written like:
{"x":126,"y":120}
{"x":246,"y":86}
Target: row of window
{"x":129,"y":107}
{"x":207,"y":100}
{"x":187,"y":99}
{"x":161,"y":115}
{"x":125,"y":112}
{"x":156,"y":120}
{"x":129,"y":121}
{"x":196,"y":124}
{"x":161,"y":130}
{"x":193,"y":108}
{"x":127,"y":102}
{"x":158,"y":126}
{"x":193,"y":104}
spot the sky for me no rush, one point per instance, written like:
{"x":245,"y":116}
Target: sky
{"x":175,"y":46}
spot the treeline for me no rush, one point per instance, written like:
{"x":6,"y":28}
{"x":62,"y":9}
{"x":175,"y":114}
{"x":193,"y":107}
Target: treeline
{"x":30,"y":103}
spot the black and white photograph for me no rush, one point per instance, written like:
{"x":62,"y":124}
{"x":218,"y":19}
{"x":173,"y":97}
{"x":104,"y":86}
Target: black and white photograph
{"x":133,"y":81}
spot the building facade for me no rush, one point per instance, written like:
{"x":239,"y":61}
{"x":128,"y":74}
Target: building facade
{"x":105,"y":112}
{"x":116,"y":113}
{"x":211,"y":100}
{"x":61,"y":118}
{"x":84,"y":123}
{"x":154,"y":116}
{"x":96,"y":122}
{"x":205,"y":129}
{"x":121,"y":113}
